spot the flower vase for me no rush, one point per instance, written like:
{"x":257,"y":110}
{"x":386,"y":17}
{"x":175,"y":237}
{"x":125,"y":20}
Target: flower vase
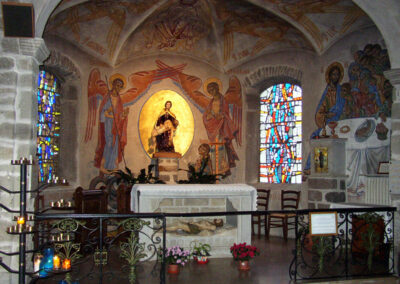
{"x":244,"y":265}
{"x":201,"y":259}
{"x":173,"y":268}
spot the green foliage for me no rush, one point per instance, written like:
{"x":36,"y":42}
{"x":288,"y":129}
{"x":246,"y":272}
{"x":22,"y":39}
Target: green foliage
{"x":129,"y":178}
{"x":200,"y":249}
{"x":200,"y":176}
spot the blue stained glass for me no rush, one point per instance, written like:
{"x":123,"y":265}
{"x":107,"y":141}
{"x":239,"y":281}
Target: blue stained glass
{"x":280,"y":134}
{"x":48,"y":134}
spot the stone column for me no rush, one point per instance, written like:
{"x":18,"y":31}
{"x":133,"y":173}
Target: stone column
{"x":19,"y":62}
{"x":394,"y":173}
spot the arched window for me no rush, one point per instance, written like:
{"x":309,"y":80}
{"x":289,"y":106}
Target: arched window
{"x":48,"y":126}
{"x":280,"y":134}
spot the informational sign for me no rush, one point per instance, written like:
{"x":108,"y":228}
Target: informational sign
{"x":323,"y":223}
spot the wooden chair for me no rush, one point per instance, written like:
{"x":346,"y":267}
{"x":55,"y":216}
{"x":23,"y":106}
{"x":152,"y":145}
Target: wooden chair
{"x":92,"y":201}
{"x":289,"y":201}
{"x":262,"y":205}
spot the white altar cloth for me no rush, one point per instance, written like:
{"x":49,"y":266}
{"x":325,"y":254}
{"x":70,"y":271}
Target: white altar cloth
{"x":193,"y":198}
{"x":191,"y":191}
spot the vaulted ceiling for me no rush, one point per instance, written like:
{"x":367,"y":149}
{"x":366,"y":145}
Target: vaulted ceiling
{"x":224,"y":33}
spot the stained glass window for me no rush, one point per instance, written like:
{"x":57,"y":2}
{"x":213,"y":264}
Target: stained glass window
{"x":48,"y":126}
{"x":280,"y":133}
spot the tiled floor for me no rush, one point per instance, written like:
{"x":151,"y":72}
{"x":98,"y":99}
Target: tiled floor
{"x":271,"y":267}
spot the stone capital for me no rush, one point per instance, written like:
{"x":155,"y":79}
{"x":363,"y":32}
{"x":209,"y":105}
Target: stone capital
{"x":393,"y":75}
{"x":34,"y":47}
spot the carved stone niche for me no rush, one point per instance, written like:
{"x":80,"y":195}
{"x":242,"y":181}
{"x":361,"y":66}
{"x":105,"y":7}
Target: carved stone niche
{"x":328,"y":157}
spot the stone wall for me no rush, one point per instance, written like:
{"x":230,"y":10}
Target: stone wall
{"x":19,"y":61}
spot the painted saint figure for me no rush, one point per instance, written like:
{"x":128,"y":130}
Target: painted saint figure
{"x":220,"y":127}
{"x":330,"y":107}
{"x":112,"y":129}
{"x":164,"y":130}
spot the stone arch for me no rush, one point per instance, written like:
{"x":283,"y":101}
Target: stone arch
{"x":64,"y":66}
{"x":43,"y":10}
{"x":69,"y":77}
{"x":269,"y":75}
{"x":256,"y":82}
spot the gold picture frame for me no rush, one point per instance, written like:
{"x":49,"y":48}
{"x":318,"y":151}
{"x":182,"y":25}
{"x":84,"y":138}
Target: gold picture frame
{"x":321,"y":159}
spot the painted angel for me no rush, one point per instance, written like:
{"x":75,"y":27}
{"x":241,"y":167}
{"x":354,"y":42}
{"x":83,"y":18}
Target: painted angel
{"x":113,"y":113}
{"x":222,"y":114}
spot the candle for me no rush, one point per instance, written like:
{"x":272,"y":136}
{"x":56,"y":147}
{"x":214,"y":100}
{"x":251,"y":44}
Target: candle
{"x":36,"y":261}
{"x":21,"y":220}
{"x":9,"y":230}
{"x":69,"y":204}
{"x":20,"y":228}
{"x":56,"y":262}
{"x":66,"y":265}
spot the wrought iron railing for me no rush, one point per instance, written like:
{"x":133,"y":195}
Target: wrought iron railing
{"x":85,"y":242}
{"x":363,"y":247}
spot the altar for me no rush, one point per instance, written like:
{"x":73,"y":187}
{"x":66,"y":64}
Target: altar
{"x":198,"y":198}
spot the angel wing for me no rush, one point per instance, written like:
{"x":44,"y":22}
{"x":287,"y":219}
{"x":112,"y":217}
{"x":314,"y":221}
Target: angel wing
{"x":233,"y":98}
{"x":96,"y":87}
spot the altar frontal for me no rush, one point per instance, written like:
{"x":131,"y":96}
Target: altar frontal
{"x":218,"y":231}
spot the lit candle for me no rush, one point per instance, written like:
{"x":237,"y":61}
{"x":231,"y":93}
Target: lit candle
{"x":21,"y":220}
{"x":56,"y":262}
{"x":66,"y":265}
{"x":36,"y":262}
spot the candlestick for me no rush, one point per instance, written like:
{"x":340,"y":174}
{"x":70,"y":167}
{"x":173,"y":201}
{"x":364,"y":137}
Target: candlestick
{"x":66,"y":265}
{"x":56,"y":262}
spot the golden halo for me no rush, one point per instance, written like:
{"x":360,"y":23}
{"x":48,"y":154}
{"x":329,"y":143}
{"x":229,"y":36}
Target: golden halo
{"x":210,"y":80}
{"x":334,"y":64}
{"x":117,"y":76}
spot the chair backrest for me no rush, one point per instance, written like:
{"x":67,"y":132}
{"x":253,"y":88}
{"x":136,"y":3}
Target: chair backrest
{"x":90,"y":201}
{"x":263,"y":198}
{"x":290,"y":199}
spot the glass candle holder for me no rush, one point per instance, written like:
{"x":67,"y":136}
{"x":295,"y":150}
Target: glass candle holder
{"x":66,"y":265}
{"x":56,"y":262}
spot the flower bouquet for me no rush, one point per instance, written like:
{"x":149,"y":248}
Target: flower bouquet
{"x":244,"y":253}
{"x":175,"y":257}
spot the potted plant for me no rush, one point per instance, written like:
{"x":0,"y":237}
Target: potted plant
{"x":243,"y":253}
{"x":174,"y":258}
{"x":201,"y":252}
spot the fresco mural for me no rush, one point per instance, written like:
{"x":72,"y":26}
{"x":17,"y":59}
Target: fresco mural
{"x":220,"y":32}
{"x":222,"y":114}
{"x":315,"y":17}
{"x":260,"y":27}
{"x":360,"y":110}
{"x":166,"y":123}
{"x":110,"y":16}
{"x":178,"y":26}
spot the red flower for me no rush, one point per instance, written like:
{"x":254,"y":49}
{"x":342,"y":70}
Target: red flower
{"x":243,"y":251}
